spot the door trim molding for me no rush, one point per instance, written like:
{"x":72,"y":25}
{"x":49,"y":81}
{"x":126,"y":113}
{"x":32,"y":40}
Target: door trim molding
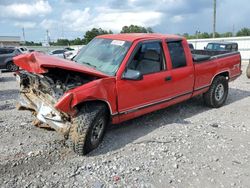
{"x":154,"y":103}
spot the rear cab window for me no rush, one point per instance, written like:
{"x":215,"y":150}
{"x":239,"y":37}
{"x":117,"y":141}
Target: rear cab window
{"x":235,"y":47}
{"x":229,"y":47}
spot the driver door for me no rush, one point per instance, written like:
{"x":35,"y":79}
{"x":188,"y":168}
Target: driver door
{"x":136,"y":97}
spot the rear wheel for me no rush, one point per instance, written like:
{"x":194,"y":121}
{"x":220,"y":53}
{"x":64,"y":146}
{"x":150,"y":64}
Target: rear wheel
{"x":88,"y":128}
{"x":217,"y":94}
{"x":12,"y":67}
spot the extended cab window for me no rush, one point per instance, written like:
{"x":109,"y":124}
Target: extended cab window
{"x":177,"y":54}
{"x":229,"y":47}
{"x":234,"y":47}
{"x":149,"y":58}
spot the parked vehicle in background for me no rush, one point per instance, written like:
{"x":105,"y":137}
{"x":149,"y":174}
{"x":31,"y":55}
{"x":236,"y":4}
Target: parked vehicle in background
{"x":23,"y":49}
{"x":248,"y":70}
{"x":120,"y":77}
{"x":58,"y":53}
{"x":61,"y":52}
{"x":191,"y":46}
{"x":71,"y":54}
{"x":68,"y":49}
{"x":222,"y":46}
{"x":6,"y":57}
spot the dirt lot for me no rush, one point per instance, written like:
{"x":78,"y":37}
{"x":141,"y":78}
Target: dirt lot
{"x":187,"y":145}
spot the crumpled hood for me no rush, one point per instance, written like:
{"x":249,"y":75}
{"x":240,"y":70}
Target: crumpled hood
{"x":39,"y":63}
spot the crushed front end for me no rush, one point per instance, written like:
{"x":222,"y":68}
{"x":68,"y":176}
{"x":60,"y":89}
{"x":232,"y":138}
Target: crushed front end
{"x":40,"y":94}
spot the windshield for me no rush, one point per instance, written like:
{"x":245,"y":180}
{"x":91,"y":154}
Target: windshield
{"x":104,"y":55}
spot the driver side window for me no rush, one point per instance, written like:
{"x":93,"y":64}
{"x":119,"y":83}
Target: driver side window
{"x":148,"y":59}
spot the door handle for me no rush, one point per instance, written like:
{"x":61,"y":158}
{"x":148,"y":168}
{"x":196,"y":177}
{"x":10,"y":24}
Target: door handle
{"x":168,"y":78}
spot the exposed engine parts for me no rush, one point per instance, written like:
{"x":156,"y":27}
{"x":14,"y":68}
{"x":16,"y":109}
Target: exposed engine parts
{"x":52,"y":84}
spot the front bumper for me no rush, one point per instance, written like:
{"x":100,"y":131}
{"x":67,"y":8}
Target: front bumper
{"x":45,"y":112}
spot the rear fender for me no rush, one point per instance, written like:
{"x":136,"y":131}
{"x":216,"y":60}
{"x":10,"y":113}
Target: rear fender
{"x":223,"y":73}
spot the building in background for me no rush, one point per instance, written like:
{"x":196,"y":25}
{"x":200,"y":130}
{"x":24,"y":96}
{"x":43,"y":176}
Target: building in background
{"x":10,"y":41}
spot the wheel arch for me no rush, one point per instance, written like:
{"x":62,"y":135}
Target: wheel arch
{"x":223,"y":73}
{"x":95,"y":102}
{"x":8,"y":60}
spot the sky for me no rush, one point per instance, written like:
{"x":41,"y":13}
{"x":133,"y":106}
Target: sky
{"x":72,"y":18}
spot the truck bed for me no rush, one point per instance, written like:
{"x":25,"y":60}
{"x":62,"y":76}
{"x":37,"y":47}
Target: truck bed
{"x":200,"y":56}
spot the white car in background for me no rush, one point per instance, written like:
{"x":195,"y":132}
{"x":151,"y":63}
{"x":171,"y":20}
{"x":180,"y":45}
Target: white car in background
{"x":58,"y":53}
{"x":71,"y":54}
{"x":23,"y":50}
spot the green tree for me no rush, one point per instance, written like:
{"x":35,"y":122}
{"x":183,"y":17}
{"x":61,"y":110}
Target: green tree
{"x":89,"y":35}
{"x":243,"y":32}
{"x":227,"y":34}
{"x":77,"y":41}
{"x":186,"y":35}
{"x":204,"y":35}
{"x":61,"y":42}
{"x":136,"y":29}
{"x":31,"y":43}
{"x":150,"y":30}
{"x":217,"y":35}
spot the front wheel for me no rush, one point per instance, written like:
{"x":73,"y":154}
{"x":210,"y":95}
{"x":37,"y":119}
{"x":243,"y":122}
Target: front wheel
{"x":88,"y":128}
{"x":217,"y":94}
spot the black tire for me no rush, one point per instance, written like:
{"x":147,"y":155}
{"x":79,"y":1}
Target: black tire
{"x":12,"y":67}
{"x":83,"y":133}
{"x":248,"y":70}
{"x":217,"y":94}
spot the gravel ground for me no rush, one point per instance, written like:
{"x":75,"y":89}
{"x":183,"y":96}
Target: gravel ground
{"x":186,"y":145}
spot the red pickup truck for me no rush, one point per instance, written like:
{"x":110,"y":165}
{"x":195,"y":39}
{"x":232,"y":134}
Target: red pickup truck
{"x":119,"y":77}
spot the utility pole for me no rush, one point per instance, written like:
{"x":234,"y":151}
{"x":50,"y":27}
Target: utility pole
{"x":233,"y":31}
{"x":24,"y":35}
{"x":63,"y":32}
{"x":47,"y":33}
{"x":214,"y":20}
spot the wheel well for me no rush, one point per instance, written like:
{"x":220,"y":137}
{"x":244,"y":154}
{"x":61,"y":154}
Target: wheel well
{"x":95,"y":102}
{"x":10,"y":61}
{"x":225,"y":74}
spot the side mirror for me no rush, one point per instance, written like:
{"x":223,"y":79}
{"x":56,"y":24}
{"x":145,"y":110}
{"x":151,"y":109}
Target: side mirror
{"x":205,"y":48}
{"x":130,"y":74}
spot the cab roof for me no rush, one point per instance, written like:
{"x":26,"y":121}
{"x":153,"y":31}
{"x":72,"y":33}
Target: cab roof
{"x":131,"y":37}
{"x":223,"y":42}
